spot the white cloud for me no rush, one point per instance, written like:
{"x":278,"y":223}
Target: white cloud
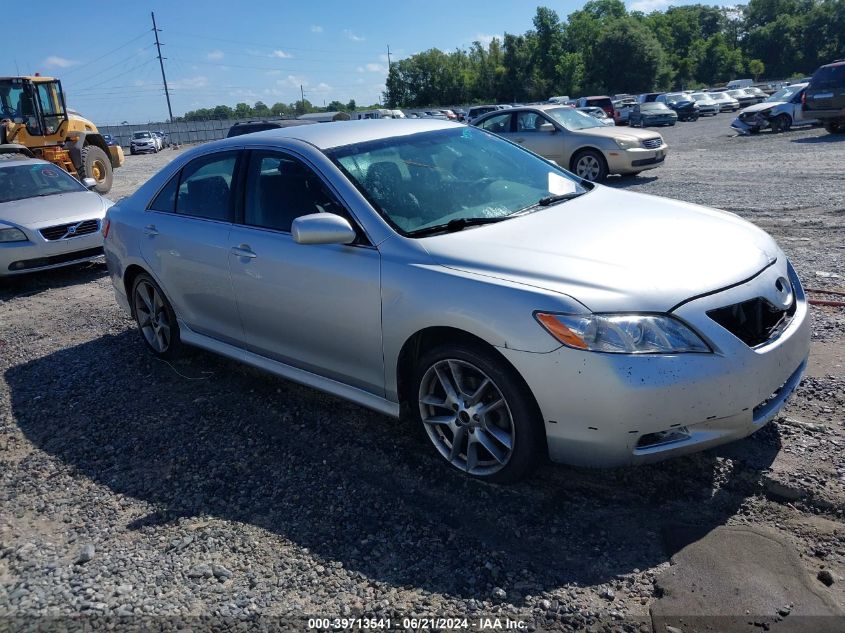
{"x":352,"y":36}
{"x":215,"y":55}
{"x":647,"y":6}
{"x":293,"y":80}
{"x":273,"y":72}
{"x":280,"y":54}
{"x":486,"y":38}
{"x":316,"y":28}
{"x":54,"y":61}
{"x":376,"y":68}
{"x":190,"y":82}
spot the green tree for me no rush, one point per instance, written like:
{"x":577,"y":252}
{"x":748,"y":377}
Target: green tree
{"x":350,"y":107}
{"x":628,"y":58}
{"x":335,"y":106}
{"x":756,"y":68}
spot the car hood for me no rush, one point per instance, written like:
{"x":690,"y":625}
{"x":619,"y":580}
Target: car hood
{"x":614,"y":132}
{"x":614,"y":250}
{"x":669,"y":113}
{"x":759,"y":107}
{"x":682,"y":105}
{"x":34,"y":213}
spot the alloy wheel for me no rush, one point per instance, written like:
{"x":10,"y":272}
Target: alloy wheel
{"x":152,"y":316}
{"x":466,"y":417}
{"x":588,"y":167}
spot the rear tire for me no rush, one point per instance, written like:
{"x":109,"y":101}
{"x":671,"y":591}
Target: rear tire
{"x":97,"y":165}
{"x":155,"y":318}
{"x":834,"y":127}
{"x":471,"y":399}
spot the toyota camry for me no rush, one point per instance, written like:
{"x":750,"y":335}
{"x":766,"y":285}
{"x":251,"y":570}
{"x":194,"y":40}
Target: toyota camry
{"x":443,"y":275}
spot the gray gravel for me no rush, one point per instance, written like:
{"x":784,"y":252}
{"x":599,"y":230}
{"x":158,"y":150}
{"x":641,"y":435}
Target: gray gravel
{"x":208,"y":493}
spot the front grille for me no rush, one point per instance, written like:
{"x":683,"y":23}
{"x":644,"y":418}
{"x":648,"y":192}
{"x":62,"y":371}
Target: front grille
{"x":652,"y":143}
{"x":754,"y":321}
{"x":72,"y":229}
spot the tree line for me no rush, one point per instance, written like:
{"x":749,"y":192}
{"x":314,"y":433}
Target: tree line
{"x":262,"y":111}
{"x":603,"y":49}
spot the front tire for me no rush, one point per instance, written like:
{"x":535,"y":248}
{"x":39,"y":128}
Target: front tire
{"x":589,"y":165}
{"x":834,"y":127}
{"x":97,"y":165}
{"x":781,"y":123}
{"x":478,"y":413}
{"x":155,"y":318}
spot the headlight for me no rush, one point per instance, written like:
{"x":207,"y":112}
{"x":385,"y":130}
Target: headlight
{"x":622,"y":333}
{"x":627,"y":142}
{"x":12,"y":234}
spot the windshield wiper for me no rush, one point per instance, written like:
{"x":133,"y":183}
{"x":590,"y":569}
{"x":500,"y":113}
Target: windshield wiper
{"x":547,"y":201}
{"x":453,"y":226}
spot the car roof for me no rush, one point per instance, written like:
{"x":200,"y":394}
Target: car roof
{"x":339,"y":133}
{"x":10,"y":160}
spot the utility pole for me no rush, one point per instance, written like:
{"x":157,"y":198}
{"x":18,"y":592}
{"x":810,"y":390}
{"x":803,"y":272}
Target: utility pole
{"x":388,"y":58}
{"x":302,"y":94}
{"x":161,"y":63}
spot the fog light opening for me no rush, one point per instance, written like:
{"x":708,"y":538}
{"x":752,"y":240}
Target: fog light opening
{"x":661,"y":438}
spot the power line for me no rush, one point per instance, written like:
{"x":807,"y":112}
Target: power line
{"x":100,"y":57}
{"x":253,"y":43}
{"x":102,"y":71}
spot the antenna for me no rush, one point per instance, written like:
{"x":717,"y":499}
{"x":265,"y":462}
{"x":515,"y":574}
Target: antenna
{"x":161,"y":63}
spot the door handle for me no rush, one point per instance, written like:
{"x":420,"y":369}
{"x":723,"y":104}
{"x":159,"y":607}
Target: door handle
{"x":150,"y":230}
{"x":243,"y":251}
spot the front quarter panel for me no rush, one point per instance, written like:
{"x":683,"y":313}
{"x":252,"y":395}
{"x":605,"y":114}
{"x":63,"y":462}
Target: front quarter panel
{"x":418,"y":293}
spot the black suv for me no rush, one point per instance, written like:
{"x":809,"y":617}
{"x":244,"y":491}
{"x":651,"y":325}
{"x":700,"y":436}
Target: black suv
{"x":824,"y":98}
{"x":249,"y":127}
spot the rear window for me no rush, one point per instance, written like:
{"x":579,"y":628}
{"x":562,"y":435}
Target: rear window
{"x":829,"y":77}
{"x":600,"y":103}
{"x":237,"y":130}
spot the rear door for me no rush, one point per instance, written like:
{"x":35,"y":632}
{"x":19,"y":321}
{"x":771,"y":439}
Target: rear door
{"x":186,"y":244}
{"x":826,"y":92}
{"x":317,"y":306}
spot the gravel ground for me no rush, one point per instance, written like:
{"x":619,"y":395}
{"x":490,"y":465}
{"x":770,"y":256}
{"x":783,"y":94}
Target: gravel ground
{"x":206,"y":492}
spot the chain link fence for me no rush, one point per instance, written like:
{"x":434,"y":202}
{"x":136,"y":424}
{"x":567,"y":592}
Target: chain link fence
{"x":179,"y":133}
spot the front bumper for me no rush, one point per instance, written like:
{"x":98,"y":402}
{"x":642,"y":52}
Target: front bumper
{"x":749,"y":124}
{"x":663,"y":120}
{"x":636,"y":159}
{"x":604,"y":410}
{"x":143,"y":148}
{"x":17,"y":258}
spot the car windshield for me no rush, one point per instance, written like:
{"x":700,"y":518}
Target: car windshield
{"x":572,"y":119}
{"x":35,"y":180}
{"x":700,"y":96}
{"x":140,"y":135}
{"x":672,"y":98}
{"x":653,"y":107}
{"x":785,"y":94}
{"x":737,"y":93}
{"x":460,"y":176}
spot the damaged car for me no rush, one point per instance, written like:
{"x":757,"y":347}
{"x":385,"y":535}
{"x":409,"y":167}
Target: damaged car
{"x":778,"y":113}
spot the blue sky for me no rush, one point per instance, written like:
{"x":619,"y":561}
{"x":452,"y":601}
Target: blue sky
{"x":263,"y":50}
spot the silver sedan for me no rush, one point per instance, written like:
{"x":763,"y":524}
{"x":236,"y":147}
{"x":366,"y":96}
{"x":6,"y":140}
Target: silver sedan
{"x":47,"y":218}
{"x":437,"y":272}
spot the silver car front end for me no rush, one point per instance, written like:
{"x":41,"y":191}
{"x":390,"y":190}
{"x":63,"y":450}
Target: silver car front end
{"x":615,"y":409}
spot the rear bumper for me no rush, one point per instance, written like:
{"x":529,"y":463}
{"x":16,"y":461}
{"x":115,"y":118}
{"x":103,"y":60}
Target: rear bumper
{"x":606,"y":410}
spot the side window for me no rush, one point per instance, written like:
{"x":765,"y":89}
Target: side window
{"x":280,"y":188}
{"x":166,"y":198}
{"x":499,"y":124}
{"x":529,"y":121}
{"x":205,"y":190}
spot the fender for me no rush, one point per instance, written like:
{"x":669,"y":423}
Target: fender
{"x":83,"y":139}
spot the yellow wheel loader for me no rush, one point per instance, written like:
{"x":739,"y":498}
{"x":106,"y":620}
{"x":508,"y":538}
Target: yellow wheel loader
{"x":35,"y":121}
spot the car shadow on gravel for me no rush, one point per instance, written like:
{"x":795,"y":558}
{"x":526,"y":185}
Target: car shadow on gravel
{"x":626,"y":182}
{"x":204,"y":436}
{"x":825,"y":138}
{"x":34,"y":283}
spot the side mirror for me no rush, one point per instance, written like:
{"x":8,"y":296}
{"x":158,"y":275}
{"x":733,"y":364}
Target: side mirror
{"x":89,"y":183}
{"x":322,"y":228}
{"x":547,"y":127}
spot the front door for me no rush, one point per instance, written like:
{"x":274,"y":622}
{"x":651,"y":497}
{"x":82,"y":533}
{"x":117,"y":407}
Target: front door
{"x":317,"y":306}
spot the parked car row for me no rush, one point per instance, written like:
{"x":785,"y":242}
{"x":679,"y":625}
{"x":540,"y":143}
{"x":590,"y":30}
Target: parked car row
{"x":145,"y":141}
